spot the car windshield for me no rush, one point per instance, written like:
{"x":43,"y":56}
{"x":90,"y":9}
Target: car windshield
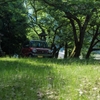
{"x":39,"y":44}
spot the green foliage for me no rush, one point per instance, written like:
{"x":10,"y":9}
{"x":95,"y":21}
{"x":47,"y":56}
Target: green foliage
{"x":14,"y":20}
{"x":52,"y":22}
{"x":81,"y":14}
{"x":63,"y":21}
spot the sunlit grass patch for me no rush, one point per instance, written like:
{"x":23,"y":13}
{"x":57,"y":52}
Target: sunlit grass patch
{"x":49,"y":79}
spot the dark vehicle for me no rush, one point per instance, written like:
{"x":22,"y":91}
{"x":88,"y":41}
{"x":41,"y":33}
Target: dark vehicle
{"x":36,"y":48}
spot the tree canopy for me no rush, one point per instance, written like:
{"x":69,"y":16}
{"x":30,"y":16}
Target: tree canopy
{"x":68,"y":23}
{"x":79,"y":13}
{"x":13,"y":26}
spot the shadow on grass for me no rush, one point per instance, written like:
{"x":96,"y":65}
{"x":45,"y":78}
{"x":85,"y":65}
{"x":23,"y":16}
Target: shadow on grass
{"x":33,"y":79}
{"x":24,"y":80}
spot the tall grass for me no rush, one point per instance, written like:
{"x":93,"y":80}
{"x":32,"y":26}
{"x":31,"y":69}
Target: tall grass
{"x":49,"y":79}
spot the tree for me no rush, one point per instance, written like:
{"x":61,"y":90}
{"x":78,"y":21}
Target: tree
{"x":95,"y":33}
{"x":79,"y":14}
{"x":35,"y":15}
{"x":14,"y":25}
{"x":42,"y":19}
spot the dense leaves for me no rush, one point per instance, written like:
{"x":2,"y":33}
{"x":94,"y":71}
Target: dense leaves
{"x":73,"y":25}
{"x":13,"y":22}
{"x":79,"y":13}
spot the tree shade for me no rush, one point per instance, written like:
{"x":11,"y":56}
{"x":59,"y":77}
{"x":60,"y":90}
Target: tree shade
{"x":68,"y":23}
{"x":13,"y":22}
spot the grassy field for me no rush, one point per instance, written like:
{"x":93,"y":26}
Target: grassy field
{"x":49,"y":79}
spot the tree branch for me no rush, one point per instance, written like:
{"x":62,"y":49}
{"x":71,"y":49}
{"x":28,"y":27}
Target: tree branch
{"x":74,"y":30}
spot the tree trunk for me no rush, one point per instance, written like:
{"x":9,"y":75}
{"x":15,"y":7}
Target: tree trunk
{"x":76,"y":51}
{"x":88,"y":53}
{"x":93,"y":43}
{"x":79,"y":40}
{"x":66,"y":50}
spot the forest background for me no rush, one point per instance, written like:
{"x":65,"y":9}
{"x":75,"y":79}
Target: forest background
{"x":74,"y":25}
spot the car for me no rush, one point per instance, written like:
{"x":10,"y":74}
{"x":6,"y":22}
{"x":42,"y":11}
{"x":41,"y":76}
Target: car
{"x":36,"y":48}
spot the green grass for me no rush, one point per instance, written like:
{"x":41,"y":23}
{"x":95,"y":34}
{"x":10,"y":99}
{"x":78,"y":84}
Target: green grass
{"x":49,"y":79}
